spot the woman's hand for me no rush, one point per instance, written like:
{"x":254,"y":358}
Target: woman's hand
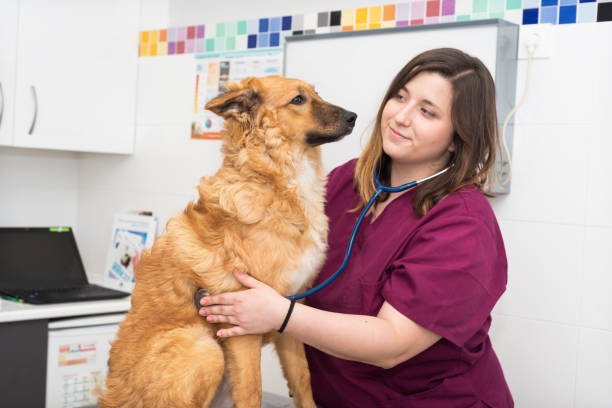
{"x":256,"y":310}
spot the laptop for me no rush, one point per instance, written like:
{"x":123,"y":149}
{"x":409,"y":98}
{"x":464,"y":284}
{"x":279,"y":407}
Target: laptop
{"x":43,"y":265}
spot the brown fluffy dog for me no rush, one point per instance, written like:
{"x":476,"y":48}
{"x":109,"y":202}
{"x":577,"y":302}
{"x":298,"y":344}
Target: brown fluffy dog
{"x":262,"y":213}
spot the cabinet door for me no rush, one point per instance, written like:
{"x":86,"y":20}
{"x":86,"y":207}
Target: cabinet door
{"x":77,"y":63}
{"x":8,"y":54}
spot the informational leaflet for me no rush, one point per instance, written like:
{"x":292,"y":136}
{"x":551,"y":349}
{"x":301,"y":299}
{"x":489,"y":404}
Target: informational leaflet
{"x":131,"y":234}
{"x":213,"y":71}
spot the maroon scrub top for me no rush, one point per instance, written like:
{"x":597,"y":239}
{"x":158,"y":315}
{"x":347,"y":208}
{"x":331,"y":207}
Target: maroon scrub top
{"x":444,"y":271}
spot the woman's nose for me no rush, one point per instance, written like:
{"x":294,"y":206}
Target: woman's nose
{"x":404,"y":115}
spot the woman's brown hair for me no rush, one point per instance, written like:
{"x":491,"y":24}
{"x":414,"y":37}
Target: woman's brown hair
{"x":474,"y":120}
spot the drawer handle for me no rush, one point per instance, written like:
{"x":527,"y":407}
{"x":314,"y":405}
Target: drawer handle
{"x":1,"y":103}
{"x":33,"y":89}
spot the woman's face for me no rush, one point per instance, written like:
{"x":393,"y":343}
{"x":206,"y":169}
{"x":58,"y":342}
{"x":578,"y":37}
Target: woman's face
{"x":416,"y":123}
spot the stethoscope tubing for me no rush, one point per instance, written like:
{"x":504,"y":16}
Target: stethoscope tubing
{"x":380,"y":188}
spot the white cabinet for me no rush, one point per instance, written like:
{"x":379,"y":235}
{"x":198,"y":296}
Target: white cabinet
{"x":8,"y":54}
{"x":76,"y":72}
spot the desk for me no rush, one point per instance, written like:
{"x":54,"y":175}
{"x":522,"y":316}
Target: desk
{"x":24,"y":341}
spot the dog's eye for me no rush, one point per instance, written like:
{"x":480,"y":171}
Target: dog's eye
{"x":298,"y":100}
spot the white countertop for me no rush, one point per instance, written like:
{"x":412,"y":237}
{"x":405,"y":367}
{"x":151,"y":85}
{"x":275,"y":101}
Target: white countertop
{"x":12,"y":311}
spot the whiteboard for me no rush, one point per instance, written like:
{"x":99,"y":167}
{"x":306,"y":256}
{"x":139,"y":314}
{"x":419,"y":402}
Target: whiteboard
{"x":354,"y":69}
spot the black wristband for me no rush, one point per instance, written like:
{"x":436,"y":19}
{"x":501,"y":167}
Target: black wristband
{"x":287,"y":317}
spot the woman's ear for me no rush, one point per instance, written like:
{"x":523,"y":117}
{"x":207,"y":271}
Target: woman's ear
{"x":239,"y":99}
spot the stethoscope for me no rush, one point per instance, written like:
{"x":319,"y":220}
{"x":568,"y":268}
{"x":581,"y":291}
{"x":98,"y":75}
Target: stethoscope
{"x":380,"y":188}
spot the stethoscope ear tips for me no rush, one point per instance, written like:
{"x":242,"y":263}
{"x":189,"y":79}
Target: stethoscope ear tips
{"x":200,"y":293}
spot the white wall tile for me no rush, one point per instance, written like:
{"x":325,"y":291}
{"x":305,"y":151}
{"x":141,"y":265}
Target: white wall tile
{"x":32,"y":167}
{"x":38,"y":206}
{"x":549,"y":171}
{"x":596,"y":280}
{"x":560,"y":89}
{"x":599,"y":170}
{"x":544,"y":271}
{"x":539,"y":360}
{"x":594,"y":375}
{"x":166,"y":89}
{"x":154,"y":14}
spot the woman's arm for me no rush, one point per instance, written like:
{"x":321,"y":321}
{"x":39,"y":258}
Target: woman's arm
{"x":385,"y":340}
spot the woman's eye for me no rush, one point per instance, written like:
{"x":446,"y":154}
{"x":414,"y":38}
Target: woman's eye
{"x":399,"y":97}
{"x":298,"y":100}
{"x":427,"y":113}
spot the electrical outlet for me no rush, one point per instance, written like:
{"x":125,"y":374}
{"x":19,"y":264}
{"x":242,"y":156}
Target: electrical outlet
{"x":537,"y":37}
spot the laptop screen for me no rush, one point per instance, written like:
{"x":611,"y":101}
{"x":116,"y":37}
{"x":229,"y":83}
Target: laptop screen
{"x":39,"y":258}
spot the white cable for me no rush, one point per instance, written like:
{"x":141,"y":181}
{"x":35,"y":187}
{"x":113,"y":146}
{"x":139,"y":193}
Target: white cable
{"x":531,"y":48}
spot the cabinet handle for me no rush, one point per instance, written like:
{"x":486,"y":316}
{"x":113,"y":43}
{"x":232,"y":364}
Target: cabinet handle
{"x":1,"y":103}
{"x":33,"y":89}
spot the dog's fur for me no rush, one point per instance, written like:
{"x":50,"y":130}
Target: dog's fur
{"x":262,"y":213}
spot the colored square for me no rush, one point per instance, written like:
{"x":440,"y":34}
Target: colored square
{"x":548,"y":15}
{"x":310,"y":21}
{"x":587,"y":1}
{"x":567,"y":14}
{"x":144,"y":37}
{"x":231,"y":29}
{"x":433,"y":8}
{"x":252,"y":41}
{"x":374,"y":26}
{"x":252,"y":26}
{"x":241,"y":42}
{"x":298,"y":32}
{"x":219,"y":44}
{"x":171,"y":48}
{"x":403,"y":12}
{"x":309,"y":32}
{"x":180,"y":47}
{"x":530,"y":16}
{"x":162,"y":48}
{"x":604,"y":12}
{"x":163,"y":35}
{"x":323,"y":19}
{"x":335,"y":18}
{"x":200,"y":31}
{"x":417,"y":10}
{"x":375,"y":15}
{"x":298,"y":23}
{"x":275,"y":24}
{"x":200,"y":45}
{"x":220,"y":30}
{"x":210,"y":44}
{"x":263,"y":40}
{"x":286,"y":23}
{"x":189,"y":46}
{"x":513,"y":4}
{"x":264,"y":25}
{"x":448,"y":7}
{"x":496,"y":6}
{"x":418,"y":21}
{"x":347,"y":28}
{"x":241,"y":27}
{"x":153,"y":36}
{"x":568,"y":2}
{"x":274,"y":40}
{"x":496,"y":14}
{"x":587,"y":13}
{"x":463,"y":7}
{"x":361,"y":26}
{"x":530,"y":4}
{"x":546,"y":3}
{"x":463,"y":18}
{"x":389,"y":13}
{"x":191,"y":32}
{"x":361,"y":16}
{"x":348,"y":18}
{"x":230,"y":43}
{"x":402,"y":23}
{"x":181,"y":35}
{"x":171,"y":34}
{"x":431,"y":20}
{"x":479,"y":6}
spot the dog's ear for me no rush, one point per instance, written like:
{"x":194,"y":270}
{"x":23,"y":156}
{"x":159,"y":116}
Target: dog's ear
{"x":240,"y":99}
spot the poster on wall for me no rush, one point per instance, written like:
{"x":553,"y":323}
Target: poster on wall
{"x":213,"y":71}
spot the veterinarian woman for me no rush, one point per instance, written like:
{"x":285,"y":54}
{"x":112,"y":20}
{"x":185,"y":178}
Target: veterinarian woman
{"x":406,"y":324}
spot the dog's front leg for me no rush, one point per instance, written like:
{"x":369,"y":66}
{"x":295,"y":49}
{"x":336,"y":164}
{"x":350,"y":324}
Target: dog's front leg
{"x":295,"y":368}
{"x":243,"y":359}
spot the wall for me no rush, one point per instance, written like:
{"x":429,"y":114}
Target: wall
{"x":552,"y":329}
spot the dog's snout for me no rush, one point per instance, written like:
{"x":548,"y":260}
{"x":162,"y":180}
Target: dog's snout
{"x":349,"y":118}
